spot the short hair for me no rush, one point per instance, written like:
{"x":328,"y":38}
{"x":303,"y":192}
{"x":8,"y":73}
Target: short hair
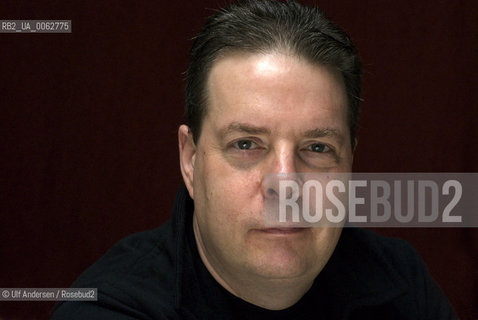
{"x":263,"y":26}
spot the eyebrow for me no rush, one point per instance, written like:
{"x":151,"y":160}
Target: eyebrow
{"x":243,"y":127}
{"x":323,"y":132}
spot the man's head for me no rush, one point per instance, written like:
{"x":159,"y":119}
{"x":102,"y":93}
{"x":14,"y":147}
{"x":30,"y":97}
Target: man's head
{"x":267,"y":109}
{"x":270,"y":26}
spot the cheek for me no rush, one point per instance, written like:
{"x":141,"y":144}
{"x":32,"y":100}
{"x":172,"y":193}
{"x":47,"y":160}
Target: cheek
{"x":325,"y":241}
{"x":234,"y":197}
{"x":220,"y":180}
{"x":227,"y":199}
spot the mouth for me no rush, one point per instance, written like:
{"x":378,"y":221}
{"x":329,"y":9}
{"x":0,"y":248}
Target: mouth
{"x":282,"y":231}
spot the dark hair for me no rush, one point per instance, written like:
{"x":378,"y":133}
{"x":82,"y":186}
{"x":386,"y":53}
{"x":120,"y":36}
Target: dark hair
{"x":258,"y":26}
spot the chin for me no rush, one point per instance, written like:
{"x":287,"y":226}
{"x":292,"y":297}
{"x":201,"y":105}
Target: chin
{"x":283,"y":266}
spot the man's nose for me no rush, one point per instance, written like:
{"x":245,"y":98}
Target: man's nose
{"x":283,"y":166}
{"x":284,"y":160}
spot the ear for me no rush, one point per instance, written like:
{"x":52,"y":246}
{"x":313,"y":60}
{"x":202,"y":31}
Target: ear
{"x":187,"y":157}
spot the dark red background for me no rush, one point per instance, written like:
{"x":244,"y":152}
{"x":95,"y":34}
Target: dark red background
{"x":88,"y":126}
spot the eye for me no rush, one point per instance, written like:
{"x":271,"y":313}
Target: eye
{"x":318,"y":148}
{"x":245,"y":144}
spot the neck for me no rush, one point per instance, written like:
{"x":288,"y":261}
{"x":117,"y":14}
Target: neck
{"x":272,"y":294}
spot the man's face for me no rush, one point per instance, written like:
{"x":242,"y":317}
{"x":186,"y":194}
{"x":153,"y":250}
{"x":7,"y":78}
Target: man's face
{"x":267,"y":113}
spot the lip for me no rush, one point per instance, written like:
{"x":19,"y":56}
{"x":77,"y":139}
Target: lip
{"x":282,"y":231}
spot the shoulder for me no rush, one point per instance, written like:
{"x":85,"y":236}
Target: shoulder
{"x":151,"y":250}
{"x":395,"y":259}
{"x":383,"y":260}
{"x":135,"y":277}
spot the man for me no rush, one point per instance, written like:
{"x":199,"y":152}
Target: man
{"x":272,"y":87}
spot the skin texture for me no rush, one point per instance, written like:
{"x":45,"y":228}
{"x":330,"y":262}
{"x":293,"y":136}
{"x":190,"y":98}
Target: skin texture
{"x":266,"y":113}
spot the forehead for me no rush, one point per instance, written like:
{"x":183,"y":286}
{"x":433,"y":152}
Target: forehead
{"x":263,"y":87}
